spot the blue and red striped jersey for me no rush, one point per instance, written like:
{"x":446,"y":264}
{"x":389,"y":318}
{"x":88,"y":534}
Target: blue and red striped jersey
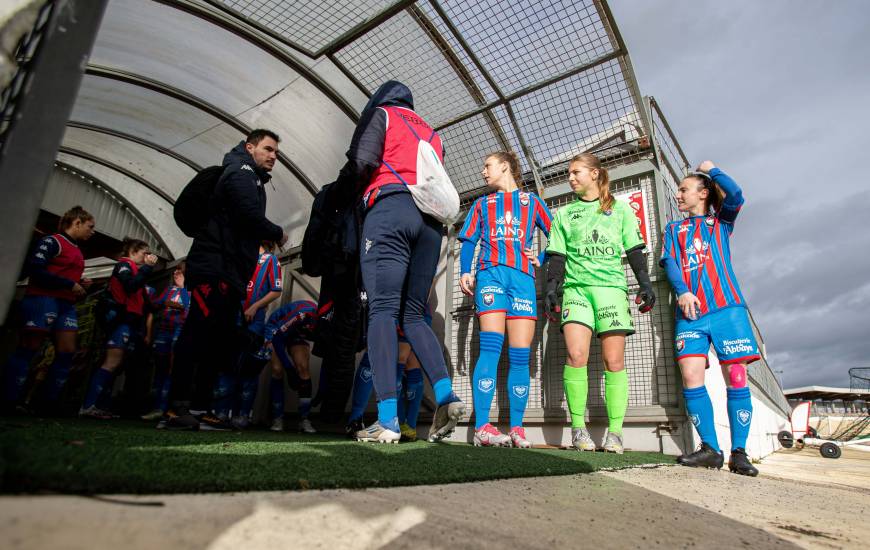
{"x":296,"y":319}
{"x":170,"y":319}
{"x":700,"y":246}
{"x":504,"y":224}
{"x":266,"y":279}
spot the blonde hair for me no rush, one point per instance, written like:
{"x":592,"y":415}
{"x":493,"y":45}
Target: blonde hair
{"x":593,"y":163}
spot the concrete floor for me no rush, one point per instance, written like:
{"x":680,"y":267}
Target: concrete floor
{"x":666,"y":507}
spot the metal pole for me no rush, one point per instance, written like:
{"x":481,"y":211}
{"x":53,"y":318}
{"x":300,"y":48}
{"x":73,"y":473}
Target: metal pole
{"x":37,"y":127}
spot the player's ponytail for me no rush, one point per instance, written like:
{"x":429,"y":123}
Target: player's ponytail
{"x":592,"y":162}
{"x":713,"y":202}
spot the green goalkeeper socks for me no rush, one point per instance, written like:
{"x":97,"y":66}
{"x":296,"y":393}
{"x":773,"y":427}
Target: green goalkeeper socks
{"x":576,"y":389}
{"x":616,"y":397}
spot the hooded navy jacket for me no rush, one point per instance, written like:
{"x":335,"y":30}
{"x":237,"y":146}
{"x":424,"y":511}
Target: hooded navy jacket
{"x":367,"y":144}
{"x":228,"y":248}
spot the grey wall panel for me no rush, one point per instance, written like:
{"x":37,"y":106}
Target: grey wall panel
{"x":157,"y":211}
{"x":67,"y":189}
{"x":138,"y":111}
{"x":313,"y":133}
{"x":191,"y":54}
{"x":163,"y":171}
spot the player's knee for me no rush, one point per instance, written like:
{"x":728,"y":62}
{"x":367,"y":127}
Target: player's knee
{"x":577,"y":357}
{"x":277,"y":370}
{"x":737,"y":376}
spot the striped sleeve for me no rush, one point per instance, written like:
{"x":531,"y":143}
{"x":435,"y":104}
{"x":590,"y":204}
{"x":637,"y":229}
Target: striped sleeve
{"x":543,"y":217}
{"x":471,"y":228}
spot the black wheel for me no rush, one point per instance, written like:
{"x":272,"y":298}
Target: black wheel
{"x":785,"y":439}
{"x":830,"y":450}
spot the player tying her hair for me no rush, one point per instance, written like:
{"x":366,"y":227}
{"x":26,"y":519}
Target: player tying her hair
{"x":585,"y":250}
{"x":696,"y":255}
{"x":125,"y":300}
{"x":504,"y":223}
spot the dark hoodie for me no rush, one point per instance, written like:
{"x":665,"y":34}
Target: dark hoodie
{"x":367,"y":144}
{"x":227,"y":249}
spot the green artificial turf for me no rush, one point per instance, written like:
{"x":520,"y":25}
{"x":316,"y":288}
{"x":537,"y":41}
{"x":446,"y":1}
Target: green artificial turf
{"x":87,"y":456}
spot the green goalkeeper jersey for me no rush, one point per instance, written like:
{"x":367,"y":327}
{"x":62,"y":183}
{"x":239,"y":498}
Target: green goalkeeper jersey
{"x":593,"y":242}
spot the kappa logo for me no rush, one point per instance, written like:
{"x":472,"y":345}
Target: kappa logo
{"x":486,"y":385}
{"x":681,"y":344}
{"x":44,"y":247}
{"x":615,"y":323}
{"x":696,"y":420}
{"x":488,"y":299}
{"x":520,"y":391}
{"x":744,"y":417}
{"x":608,"y":212}
{"x":30,"y":324}
{"x":369,"y":244}
{"x":248,"y":168}
{"x":524,"y":199}
{"x":40,"y":255}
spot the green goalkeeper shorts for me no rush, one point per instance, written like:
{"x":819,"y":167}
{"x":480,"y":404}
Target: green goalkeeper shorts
{"x":604,"y":309}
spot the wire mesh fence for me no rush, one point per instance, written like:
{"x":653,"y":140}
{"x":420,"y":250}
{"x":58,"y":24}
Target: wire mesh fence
{"x":24,"y":53}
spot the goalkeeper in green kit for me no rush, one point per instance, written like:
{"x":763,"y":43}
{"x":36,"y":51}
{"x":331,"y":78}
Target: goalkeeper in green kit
{"x":586,"y":242}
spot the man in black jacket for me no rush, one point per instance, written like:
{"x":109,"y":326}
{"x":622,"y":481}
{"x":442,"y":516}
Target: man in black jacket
{"x":220,"y":262}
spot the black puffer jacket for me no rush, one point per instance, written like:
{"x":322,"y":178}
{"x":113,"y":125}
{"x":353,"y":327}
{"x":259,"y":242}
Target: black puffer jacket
{"x":228,"y":247}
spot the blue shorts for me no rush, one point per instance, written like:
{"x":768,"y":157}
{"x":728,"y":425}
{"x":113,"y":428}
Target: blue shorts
{"x":507,"y":290}
{"x":164,"y":341}
{"x":121,"y":338}
{"x":729,"y":330}
{"x":45,"y":313}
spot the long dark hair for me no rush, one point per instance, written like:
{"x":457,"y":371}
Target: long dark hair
{"x":713,"y":202}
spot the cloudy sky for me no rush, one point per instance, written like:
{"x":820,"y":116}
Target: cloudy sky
{"x":777,"y":93}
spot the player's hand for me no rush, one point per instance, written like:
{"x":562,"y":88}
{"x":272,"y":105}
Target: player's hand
{"x":466,"y":284}
{"x":530,"y":254}
{"x":646,"y":298}
{"x":552,"y":305}
{"x":250,"y":313}
{"x":79,"y":290}
{"x":706,"y":166}
{"x":148,"y":339}
{"x":690,"y":305}
{"x":150,"y":259}
{"x":86,"y":283}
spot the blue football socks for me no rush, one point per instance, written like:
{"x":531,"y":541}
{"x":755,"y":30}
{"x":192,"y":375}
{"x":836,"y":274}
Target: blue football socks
{"x":739,"y":416}
{"x":15,"y":374}
{"x":58,"y":375}
{"x":518,"y":384}
{"x":414,"y":395}
{"x":276,"y":397}
{"x":485,"y":375}
{"x":99,"y":384}
{"x":700,"y":410}
{"x":362,"y":388}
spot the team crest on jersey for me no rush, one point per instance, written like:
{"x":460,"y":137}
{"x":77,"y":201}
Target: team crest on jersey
{"x":565,"y":313}
{"x":608,"y":212}
{"x":524,"y":199}
{"x":486,"y":385}
{"x":681,"y":344}
{"x":488,"y":299}
{"x":520,"y":391}
{"x":711,"y":221}
{"x":744,"y":417}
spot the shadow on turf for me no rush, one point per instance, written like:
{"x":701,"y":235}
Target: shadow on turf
{"x":79,"y":456}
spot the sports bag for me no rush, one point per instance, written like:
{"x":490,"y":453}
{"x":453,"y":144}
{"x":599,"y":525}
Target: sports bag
{"x":434,"y":193}
{"x":191,"y":211}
